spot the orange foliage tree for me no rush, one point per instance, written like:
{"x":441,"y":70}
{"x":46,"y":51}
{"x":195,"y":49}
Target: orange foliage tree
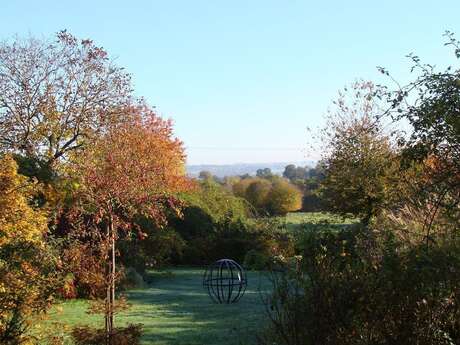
{"x":136,"y":168}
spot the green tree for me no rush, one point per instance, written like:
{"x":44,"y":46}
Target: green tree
{"x":264,"y":173}
{"x":431,"y":105}
{"x":292,"y":173}
{"x":359,"y":157}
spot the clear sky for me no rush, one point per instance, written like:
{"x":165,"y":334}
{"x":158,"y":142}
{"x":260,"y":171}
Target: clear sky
{"x":242,"y":80}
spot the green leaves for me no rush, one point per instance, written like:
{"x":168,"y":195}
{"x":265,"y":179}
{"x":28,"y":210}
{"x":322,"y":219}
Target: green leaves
{"x":360,"y":157}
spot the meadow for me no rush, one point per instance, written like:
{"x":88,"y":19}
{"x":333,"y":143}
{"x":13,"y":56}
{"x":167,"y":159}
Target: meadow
{"x":311,"y":221}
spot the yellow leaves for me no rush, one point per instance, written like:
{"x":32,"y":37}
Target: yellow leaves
{"x":18,"y":220}
{"x":22,"y":285}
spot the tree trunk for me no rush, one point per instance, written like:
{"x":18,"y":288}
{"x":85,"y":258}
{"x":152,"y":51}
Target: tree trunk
{"x":112,"y":280}
{"x":110,"y":291}
{"x":107,"y":296}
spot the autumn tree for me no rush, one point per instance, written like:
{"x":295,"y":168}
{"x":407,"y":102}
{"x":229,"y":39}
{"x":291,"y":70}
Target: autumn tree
{"x":257,"y":193}
{"x":283,"y":198}
{"x":358,"y":155}
{"x":28,"y":268}
{"x":55,"y":97}
{"x":136,"y":168}
{"x":18,"y":220}
{"x":273,"y":196}
{"x":239,"y":188}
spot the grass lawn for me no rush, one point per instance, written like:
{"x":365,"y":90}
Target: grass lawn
{"x":305,"y":221}
{"x":175,"y":309}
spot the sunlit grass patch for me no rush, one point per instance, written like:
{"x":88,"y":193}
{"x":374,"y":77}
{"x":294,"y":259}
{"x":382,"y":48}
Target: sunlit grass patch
{"x":175,"y":309}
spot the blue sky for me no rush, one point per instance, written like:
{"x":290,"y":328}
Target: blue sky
{"x":242,"y":80}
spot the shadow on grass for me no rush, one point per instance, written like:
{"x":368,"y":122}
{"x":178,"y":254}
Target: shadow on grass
{"x":177,"y":310}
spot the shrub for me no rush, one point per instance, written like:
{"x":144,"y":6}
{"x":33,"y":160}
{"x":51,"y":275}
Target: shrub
{"x":235,"y":239}
{"x":228,"y":240}
{"x":214,"y":225}
{"x":28,"y":281}
{"x":239,"y":188}
{"x":256,"y":260}
{"x":154,"y":248}
{"x":359,"y":159}
{"x":356,"y":288}
{"x":217,"y":202}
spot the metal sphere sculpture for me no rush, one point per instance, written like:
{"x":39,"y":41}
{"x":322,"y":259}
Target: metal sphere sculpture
{"x":225,"y":281}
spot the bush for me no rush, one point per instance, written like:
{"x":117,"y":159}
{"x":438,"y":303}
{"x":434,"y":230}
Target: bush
{"x":227,"y":240}
{"x":214,"y":225}
{"x":154,"y":248}
{"x":235,"y":239}
{"x":257,"y":194}
{"x":312,"y":203}
{"x":29,"y":278}
{"x":255,"y":260}
{"x":129,"y":335}
{"x":358,"y":288}
{"x":218,"y":203}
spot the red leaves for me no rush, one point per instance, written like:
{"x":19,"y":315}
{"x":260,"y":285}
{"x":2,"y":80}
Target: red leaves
{"x":135,"y":168}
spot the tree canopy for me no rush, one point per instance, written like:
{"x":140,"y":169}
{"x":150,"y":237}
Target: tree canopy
{"x":54,"y":97}
{"x":358,"y":155}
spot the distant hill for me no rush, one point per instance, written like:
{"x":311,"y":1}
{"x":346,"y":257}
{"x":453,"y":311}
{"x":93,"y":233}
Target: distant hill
{"x":242,"y":168}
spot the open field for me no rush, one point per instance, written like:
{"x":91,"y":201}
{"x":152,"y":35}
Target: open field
{"x":298,"y":221}
{"x":175,"y":309}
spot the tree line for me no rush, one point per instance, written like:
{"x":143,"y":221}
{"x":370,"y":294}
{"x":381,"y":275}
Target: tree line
{"x":271,"y":194}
